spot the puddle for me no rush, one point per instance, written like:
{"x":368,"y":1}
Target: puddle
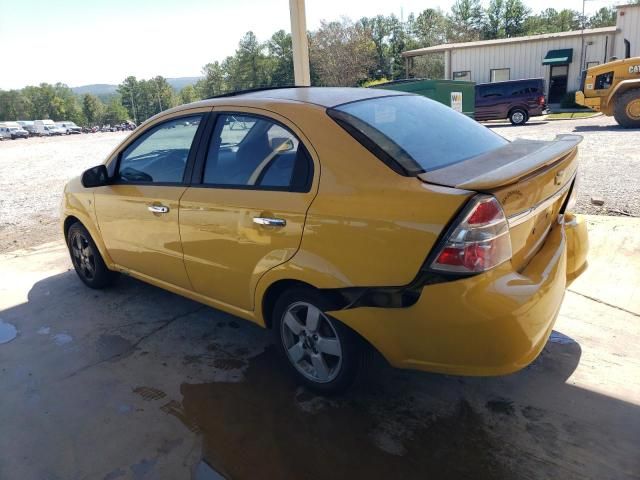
{"x":266,"y":424}
{"x":44,"y":331}
{"x":7,"y":332}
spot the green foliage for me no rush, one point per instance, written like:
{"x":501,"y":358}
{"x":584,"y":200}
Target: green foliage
{"x":93,"y":109}
{"x":375,"y":81}
{"x":342,"y":53}
{"x":465,"y":21}
{"x":115,"y":112}
{"x":605,"y":17}
{"x":188,"y":94}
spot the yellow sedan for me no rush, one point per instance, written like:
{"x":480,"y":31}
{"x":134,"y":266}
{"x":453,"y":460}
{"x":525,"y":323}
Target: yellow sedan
{"x":344,"y":220}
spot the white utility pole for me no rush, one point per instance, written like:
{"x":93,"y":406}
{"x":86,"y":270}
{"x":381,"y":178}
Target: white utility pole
{"x":299,"y":43}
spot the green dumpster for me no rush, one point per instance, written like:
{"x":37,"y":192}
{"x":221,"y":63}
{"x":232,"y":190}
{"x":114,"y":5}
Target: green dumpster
{"x":459,"y":95}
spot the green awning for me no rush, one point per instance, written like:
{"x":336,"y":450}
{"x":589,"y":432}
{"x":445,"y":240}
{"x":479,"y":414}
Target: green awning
{"x":558,"y":57}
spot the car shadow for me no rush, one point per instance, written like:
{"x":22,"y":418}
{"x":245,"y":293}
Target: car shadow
{"x":603,"y":128}
{"x":394,"y":424}
{"x":507,"y":124}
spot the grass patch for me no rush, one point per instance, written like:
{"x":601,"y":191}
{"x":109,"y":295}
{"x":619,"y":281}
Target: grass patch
{"x":569,"y":115}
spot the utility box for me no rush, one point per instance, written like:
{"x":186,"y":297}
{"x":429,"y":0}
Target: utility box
{"x":459,"y":95}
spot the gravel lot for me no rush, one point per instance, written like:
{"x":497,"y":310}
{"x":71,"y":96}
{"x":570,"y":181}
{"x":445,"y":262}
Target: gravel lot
{"x":32,"y":175}
{"x":610,"y":164}
{"x":34,"y":171}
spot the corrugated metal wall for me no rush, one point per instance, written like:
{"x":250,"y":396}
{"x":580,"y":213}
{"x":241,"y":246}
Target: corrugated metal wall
{"x":628,"y":23}
{"x":525,"y":58}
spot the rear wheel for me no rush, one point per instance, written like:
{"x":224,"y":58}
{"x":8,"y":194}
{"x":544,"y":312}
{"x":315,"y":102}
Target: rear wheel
{"x":322,"y":353}
{"x":86,"y":258}
{"x":518,"y":116}
{"x":627,"y":109}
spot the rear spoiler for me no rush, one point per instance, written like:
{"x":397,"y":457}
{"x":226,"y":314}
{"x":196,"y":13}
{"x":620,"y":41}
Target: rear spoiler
{"x":505,"y":165}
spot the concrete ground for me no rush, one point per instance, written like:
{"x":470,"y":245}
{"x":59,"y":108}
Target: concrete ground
{"x":137,"y":383}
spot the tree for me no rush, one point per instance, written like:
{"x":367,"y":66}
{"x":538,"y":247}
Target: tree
{"x":129,"y":92}
{"x":429,"y":28}
{"x":342,"y":53}
{"x":465,"y":20}
{"x":249,"y":66}
{"x":213,"y":82}
{"x":515,"y":15}
{"x":93,"y":109}
{"x":280,"y":59}
{"x":188,"y":94}
{"x":115,"y":112}
{"x":494,"y":20}
{"x":605,"y":17}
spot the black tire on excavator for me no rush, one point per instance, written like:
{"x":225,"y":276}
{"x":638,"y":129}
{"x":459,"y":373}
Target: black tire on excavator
{"x":626,"y":110}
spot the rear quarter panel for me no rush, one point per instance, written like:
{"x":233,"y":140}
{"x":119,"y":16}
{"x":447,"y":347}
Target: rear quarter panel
{"x":368,"y":226}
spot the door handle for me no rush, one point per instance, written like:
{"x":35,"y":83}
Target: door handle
{"x":270,"y":222}
{"x":158,"y":209}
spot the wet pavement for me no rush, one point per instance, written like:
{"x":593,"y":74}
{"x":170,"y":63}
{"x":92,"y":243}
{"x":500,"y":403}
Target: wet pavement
{"x":137,"y":383}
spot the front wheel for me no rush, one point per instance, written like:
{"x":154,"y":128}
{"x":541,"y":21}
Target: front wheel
{"x":627,"y":109}
{"x":518,"y":117}
{"x":322,"y":353}
{"x":86,"y":258}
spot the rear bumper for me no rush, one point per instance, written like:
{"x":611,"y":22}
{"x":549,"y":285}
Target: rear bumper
{"x":490,"y":324}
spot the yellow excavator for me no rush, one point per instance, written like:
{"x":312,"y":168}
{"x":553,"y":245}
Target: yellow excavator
{"x":613,"y":88}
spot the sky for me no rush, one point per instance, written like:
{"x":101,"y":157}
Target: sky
{"x":79,"y":42}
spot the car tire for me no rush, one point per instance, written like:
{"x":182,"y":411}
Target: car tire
{"x":627,"y":109}
{"x":86,"y":258}
{"x":518,"y":116}
{"x":322,"y":353}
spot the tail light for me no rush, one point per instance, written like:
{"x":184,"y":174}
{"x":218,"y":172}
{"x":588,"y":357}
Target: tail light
{"x":541,"y":100}
{"x":479,"y":241}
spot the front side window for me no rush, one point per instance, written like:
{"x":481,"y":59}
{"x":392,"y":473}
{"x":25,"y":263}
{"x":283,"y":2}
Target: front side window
{"x":160,"y":154}
{"x":499,"y":74}
{"x":252,"y":151}
{"x":414,"y":132}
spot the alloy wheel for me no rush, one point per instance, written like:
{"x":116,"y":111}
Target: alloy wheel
{"x":83,"y":256}
{"x":311,"y":342}
{"x":518,"y":117}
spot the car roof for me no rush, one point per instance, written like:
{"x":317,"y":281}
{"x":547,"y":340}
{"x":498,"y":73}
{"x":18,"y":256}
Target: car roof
{"x":327,"y":97}
{"x":322,"y":96}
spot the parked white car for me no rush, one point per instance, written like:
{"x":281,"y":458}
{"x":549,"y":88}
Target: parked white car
{"x":69,"y":127}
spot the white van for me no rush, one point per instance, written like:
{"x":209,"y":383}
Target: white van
{"x":46,"y":127}
{"x":12,"y":130}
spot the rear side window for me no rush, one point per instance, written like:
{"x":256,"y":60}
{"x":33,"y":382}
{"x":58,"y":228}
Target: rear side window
{"x":160,"y":154}
{"x":248,"y":151}
{"x":413,"y":134}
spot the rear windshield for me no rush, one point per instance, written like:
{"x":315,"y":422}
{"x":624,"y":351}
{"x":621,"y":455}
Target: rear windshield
{"x":414,"y":134}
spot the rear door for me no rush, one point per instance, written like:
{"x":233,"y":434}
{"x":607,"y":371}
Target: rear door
{"x":245,"y":211}
{"x":138,"y":213}
{"x":490,"y":102}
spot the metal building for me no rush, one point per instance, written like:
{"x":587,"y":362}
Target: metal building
{"x":559,"y":58}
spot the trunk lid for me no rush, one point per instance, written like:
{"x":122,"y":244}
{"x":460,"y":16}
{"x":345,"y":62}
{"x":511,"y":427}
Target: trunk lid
{"x":530,"y":178}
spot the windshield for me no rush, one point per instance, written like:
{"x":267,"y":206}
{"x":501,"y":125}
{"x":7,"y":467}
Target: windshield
{"x":415,"y":133}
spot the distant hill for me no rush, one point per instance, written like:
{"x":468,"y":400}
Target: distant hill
{"x":98,"y":89}
{"x":104,"y":90}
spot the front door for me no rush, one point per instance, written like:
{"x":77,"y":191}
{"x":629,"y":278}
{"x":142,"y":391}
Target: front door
{"x":138,"y":213}
{"x":247,"y":214}
{"x":558,"y":83}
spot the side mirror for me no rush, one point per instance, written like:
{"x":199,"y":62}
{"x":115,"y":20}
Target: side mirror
{"x":95,"y":177}
{"x":281,"y":145}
